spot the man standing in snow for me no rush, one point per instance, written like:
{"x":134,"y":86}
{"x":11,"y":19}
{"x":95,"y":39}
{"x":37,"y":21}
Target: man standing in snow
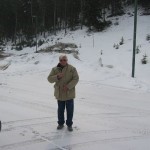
{"x":65,"y":77}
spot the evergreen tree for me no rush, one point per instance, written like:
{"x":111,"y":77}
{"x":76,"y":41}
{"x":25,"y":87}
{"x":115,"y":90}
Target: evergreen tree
{"x":146,"y":6}
{"x":92,"y":13}
{"x":17,"y":17}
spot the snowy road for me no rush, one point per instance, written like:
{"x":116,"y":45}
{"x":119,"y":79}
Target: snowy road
{"x":112,"y":110}
{"x":106,"y":118}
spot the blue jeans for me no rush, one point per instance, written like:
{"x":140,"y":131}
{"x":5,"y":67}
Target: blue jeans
{"x":69,"y":104}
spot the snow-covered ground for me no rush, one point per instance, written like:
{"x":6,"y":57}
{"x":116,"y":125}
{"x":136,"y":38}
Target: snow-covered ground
{"x":112,"y":110}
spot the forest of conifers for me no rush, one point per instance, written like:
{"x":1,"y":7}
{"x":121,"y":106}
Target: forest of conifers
{"x":24,"y":17}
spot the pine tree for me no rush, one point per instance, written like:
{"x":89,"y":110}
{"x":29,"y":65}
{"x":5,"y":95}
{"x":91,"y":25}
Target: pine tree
{"x":17,"y":22}
{"x":116,"y":7}
{"x":146,"y":6}
{"x":92,"y":13}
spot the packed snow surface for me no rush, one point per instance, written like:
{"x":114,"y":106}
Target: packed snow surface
{"x":112,"y":110}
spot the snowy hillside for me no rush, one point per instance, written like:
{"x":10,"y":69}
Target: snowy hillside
{"x":112,"y":110}
{"x":117,"y":62}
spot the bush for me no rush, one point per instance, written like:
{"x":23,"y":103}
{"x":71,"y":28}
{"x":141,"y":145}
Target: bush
{"x":2,"y":47}
{"x":117,"y":46}
{"x":40,"y":42}
{"x":31,"y":43}
{"x":99,"y":26}
{"x":148,"y":37}
{"x":116,"y":23}
{"x":144,"y":59}
{"x":122,"y":41}
{"x":22,"y":43}
{"x":103,"y":25}
{"x":137,"y":50}
{"x":19,"y":48}
{"x":25,"y":43}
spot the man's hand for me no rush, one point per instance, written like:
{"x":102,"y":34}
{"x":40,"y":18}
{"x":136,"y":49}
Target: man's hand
{"x":60,"y":75}
{"x":65,"y":88}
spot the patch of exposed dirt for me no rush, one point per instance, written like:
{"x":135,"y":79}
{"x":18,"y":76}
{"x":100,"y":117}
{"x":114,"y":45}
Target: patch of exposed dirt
{"x":68,"y":48}
{"x":4,"y":66}
{"x":4,"y":55}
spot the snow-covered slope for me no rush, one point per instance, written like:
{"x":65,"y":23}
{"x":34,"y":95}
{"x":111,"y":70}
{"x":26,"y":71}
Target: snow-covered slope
{"x":112,"y":110}
{"x":117,"y":63}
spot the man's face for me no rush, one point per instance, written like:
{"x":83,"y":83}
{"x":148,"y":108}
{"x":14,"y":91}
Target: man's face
{"x":63,"y":61}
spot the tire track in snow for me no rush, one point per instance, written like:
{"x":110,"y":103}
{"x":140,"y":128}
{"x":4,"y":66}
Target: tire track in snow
{"x":46,"y":139}
{"x":131,"y":90}
{"x":103,"y":117}
{"x":28,"y":125}
{"x":108,"y":140}
{"x":20,"y":144}
{"x":24,"y":90}
{"x":50,"y":140}
{"x":24,"y":120}
{"x":112,"y":106}
{"x":25,"y":103}
{"x":13,"y":125}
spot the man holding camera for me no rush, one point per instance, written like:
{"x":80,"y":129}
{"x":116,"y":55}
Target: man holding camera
{"x":65,"y":77}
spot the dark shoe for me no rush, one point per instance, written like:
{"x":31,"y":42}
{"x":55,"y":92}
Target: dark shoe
{"x":59,"y":127}
{"x":70,"y":128}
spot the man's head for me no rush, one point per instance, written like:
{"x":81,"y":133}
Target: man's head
{"x":63,"y":60}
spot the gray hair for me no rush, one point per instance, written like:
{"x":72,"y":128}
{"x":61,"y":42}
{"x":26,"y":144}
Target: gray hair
{"x":63,"y":56}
